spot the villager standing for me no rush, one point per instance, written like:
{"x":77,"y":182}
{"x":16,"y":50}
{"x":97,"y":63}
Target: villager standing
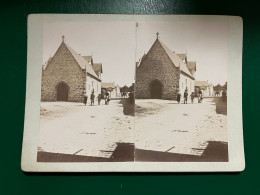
{"x":92,"y":97}
{"x":200,"y":96}
{"x":99,"y":98}
{"x":106,"y":98}
{"x":192,"y":97}
{"x":85,"y":98}
{"x":178,"y":97}
{"x":185,"y":96}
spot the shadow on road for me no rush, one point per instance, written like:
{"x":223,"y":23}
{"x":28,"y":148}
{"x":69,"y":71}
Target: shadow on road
{"x":215,"y":152}
{"x":128,"y":108}
{"x":221,"y":106}
{"x":124,"y":152}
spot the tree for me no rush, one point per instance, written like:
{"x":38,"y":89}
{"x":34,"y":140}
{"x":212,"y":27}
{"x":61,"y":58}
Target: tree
{"x":218,"y":87}
{"x":124,"y":89}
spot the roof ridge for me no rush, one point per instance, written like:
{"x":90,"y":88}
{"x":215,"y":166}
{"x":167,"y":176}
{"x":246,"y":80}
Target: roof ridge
{"x":81,"y":61}
{"x":170,"y":54}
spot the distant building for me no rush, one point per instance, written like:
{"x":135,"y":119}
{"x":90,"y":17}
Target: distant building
{"x":67,"y":76}
{"x":112,"y":88}
{"x":161,"y":73}
{"x":205,"y":87}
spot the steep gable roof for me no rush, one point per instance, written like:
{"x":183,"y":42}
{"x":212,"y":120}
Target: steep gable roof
{"x":176,"y":60}
{"x":88,"y":58}
{"x":81,"y":61}
{"x":182,"y":56}
{"x":97,"y":67}
{"x":191,"y":65}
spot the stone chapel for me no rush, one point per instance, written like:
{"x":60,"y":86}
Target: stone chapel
{"x":67,"y":76}
{"x":161,"y":73}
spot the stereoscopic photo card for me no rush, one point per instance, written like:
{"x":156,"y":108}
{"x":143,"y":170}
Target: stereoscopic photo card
{"x":133,"y":93}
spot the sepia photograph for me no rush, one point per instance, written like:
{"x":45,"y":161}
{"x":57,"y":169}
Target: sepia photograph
{"x":133,"y":93}
{"x":181,"y":92}
{"x":87,"y":92}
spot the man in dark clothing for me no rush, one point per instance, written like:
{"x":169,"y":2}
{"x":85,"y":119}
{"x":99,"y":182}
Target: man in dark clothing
{"x":85,"y":99}
{"x":200,"y":96}
{"x":106,"y":98}
{"x":99,"y":99}
{"x":178,"y":97}
{"x":92,"y":97}
{"x":185,"y":97}
{"x":192,"y":97}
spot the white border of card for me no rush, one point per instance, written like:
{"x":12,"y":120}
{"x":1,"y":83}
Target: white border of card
{"x":33,"y":95}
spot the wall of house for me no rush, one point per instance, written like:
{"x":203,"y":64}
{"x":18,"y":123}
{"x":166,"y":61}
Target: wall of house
{"x":157,"y":65}
{"x":63,"y":68}
{"x":115,"y":93}
{"x":92,"y":84}
{"x":186,"y":82}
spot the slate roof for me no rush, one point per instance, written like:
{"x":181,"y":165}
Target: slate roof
{"x":175,"y":59}
{"x":97,"y":67}
{"x":108,"y":85}
{"x":81,"y":61}
{"x":191,"y":65}
{"x":88,"y":58}
{"x":182,"y":56}
{"x":201,"y":83}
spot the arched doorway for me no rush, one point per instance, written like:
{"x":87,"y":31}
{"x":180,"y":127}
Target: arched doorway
{"x":62,"y":92}
{"x":156,"y":89}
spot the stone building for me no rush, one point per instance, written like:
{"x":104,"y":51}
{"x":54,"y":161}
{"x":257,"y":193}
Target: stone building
{"x":205,"y":87}
{"x":67,"y":76}
{"x":161,"y":73}
{"x":112,"y":88}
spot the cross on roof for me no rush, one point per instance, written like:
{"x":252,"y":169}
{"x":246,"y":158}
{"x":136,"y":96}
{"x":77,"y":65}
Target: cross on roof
{"x":157,"y":34}
{"x":63,"y":38}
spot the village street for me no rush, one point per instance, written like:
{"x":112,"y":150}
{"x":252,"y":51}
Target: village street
{"x":73,"y":128}
{"x":158,"y":125}
{"x":166,"y":126}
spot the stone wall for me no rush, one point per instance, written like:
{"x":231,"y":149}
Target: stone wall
{"x":63,"y":68}
{"x":157,"y":65}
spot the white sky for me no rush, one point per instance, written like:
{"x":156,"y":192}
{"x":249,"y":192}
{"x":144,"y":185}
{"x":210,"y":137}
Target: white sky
{"x":110,"y":43}
{"x":113,"y":44}
{"x":205,"y":43}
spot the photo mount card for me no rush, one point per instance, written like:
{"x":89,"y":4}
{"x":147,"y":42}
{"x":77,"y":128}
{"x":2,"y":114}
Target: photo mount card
{"x":133,"y":93}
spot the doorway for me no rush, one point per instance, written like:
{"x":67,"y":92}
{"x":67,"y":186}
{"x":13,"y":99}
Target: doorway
{"x":62,"y":92}
{"x":156,"y":89}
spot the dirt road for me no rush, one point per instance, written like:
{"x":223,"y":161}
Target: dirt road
{"x":72,"y":128}
{"x":166,"y":126}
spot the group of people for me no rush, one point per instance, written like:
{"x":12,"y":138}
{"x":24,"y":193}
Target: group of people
{"x":192,"y":96}
{"x":92,"y":99}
